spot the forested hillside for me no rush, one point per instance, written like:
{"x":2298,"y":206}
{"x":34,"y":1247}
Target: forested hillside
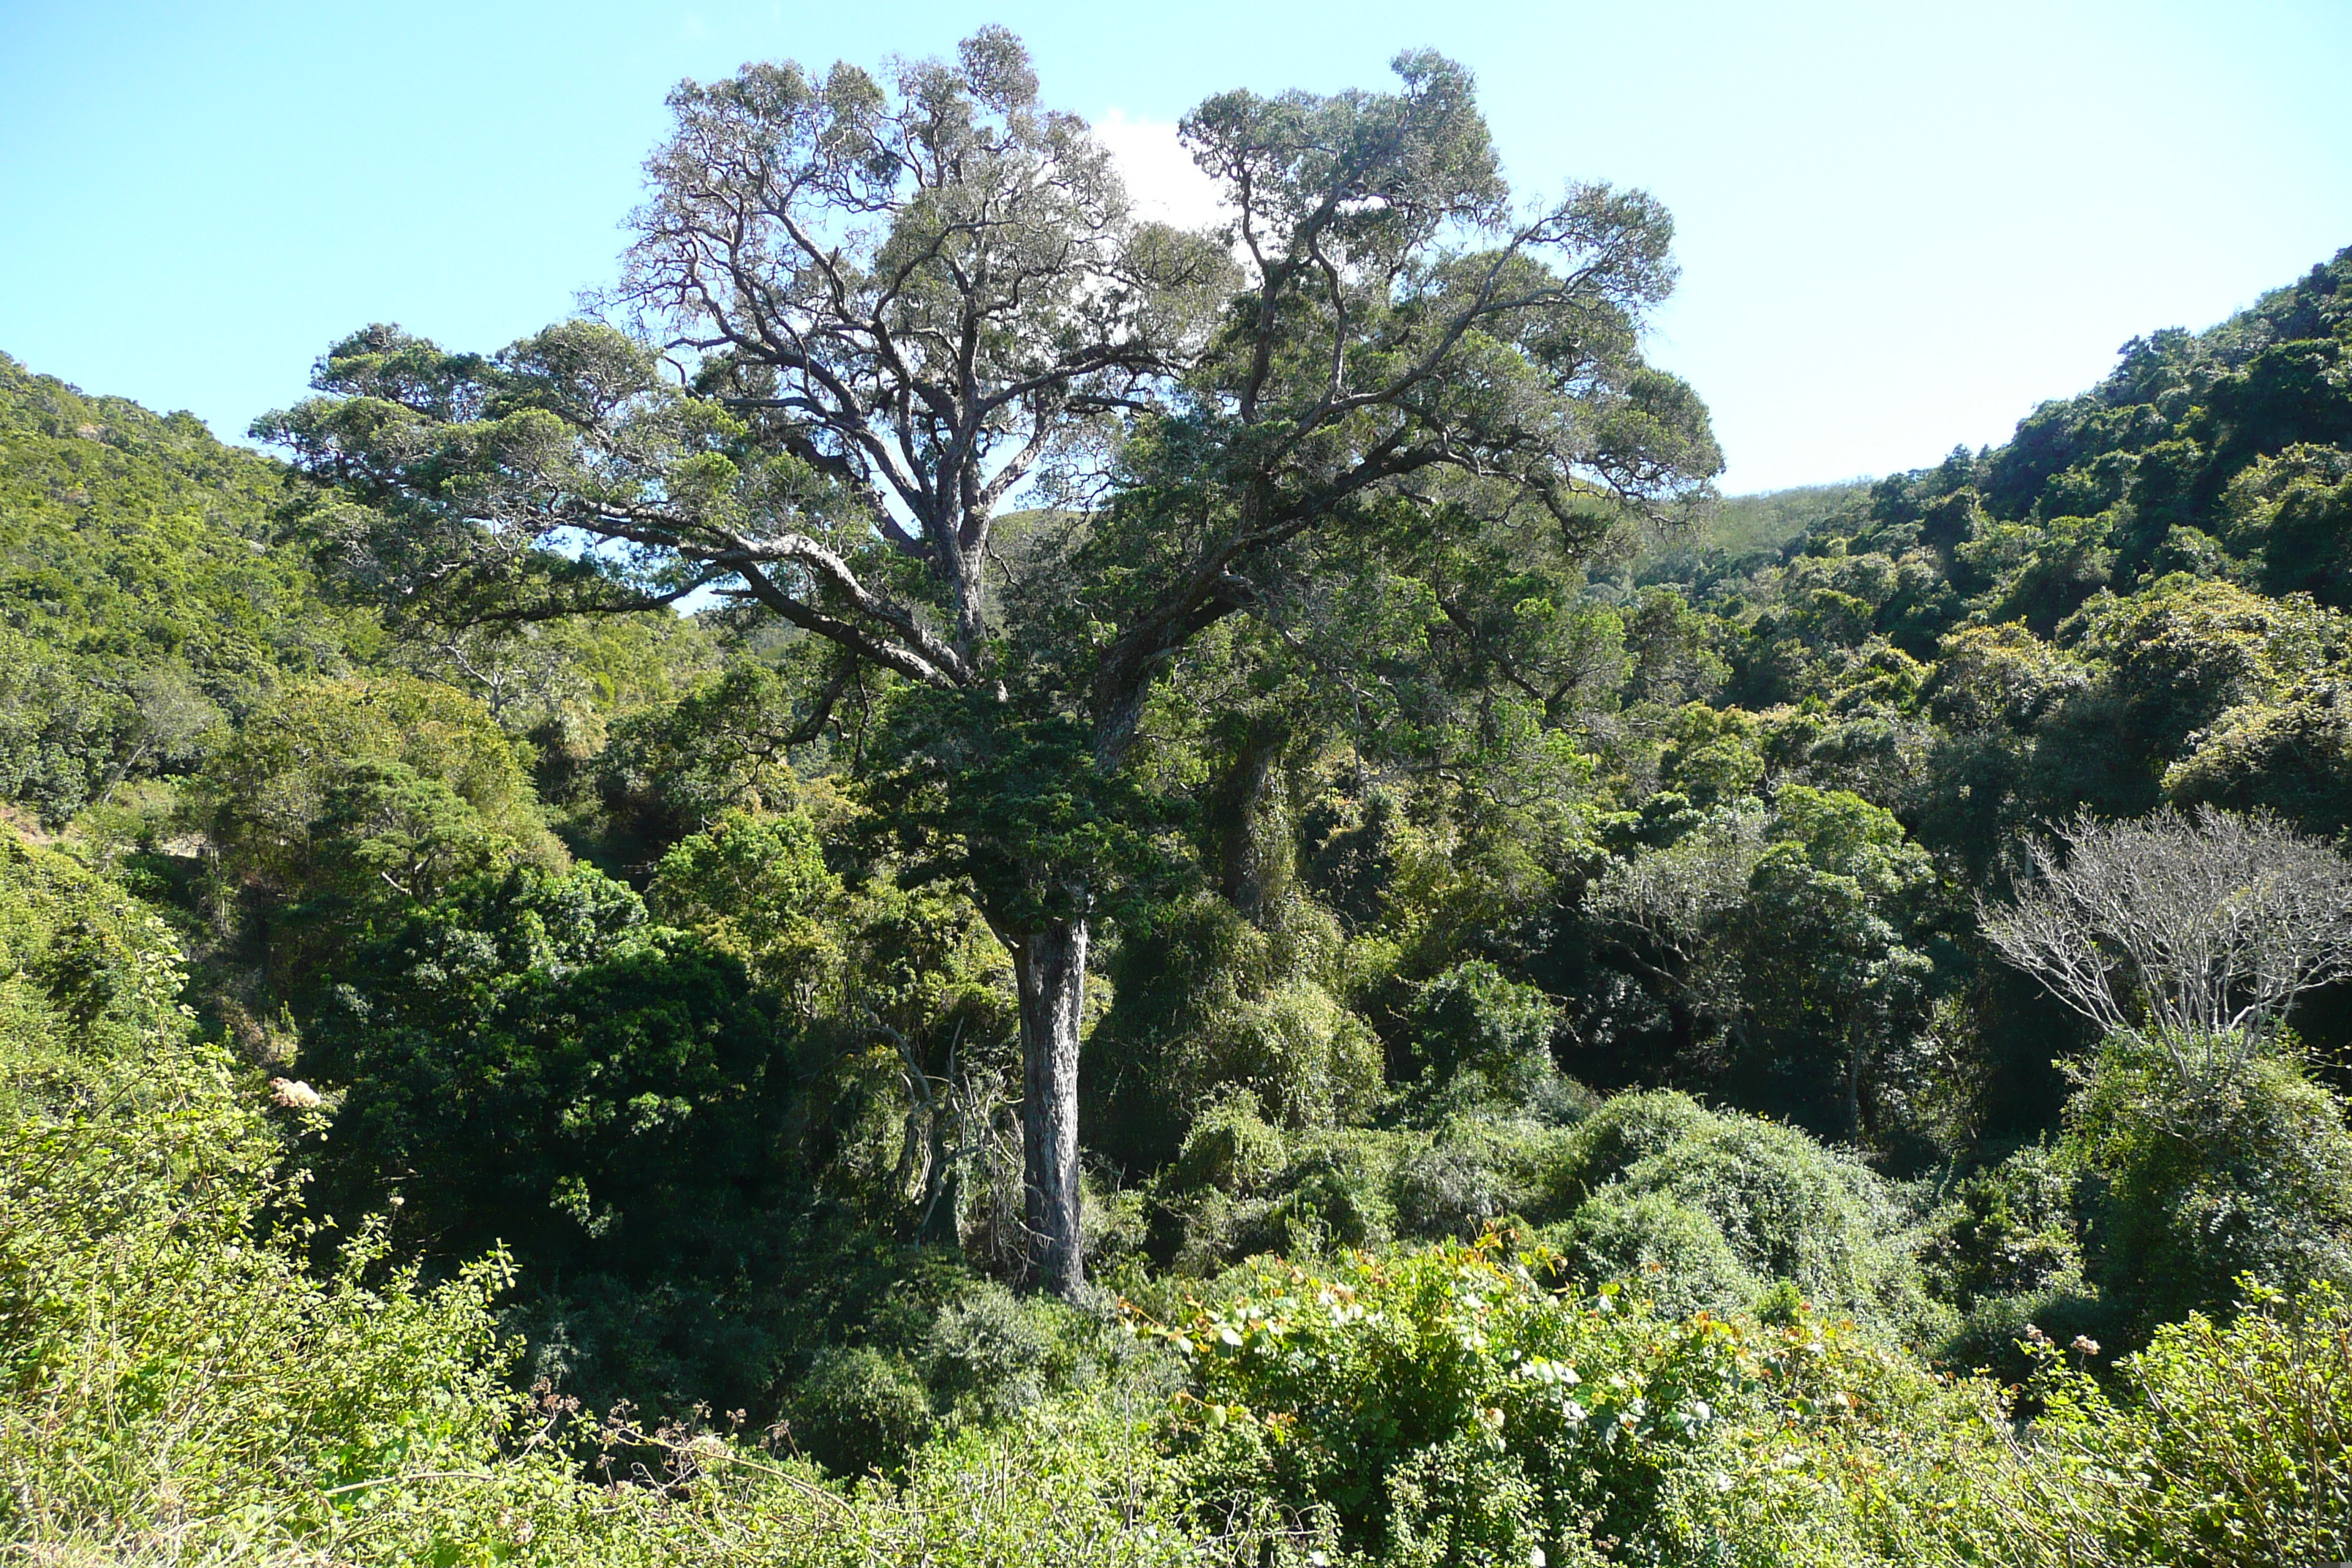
{"x":1348,"y":965}
{"x":145,"y":604}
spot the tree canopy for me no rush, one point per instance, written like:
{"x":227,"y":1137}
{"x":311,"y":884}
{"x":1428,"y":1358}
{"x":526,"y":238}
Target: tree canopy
{"x":895,"y":304}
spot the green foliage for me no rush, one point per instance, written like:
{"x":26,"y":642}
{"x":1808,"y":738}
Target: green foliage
{"x":2006,"y":1251}
{"x":172,"y":1369}
{"x":1313,"y":1062}
{"x":527,"y":1060}
{"x":90,"y":980}
{"x":2195,"y":1185}
{"x":2227,"y":1446}
{"x":2161,"y":531}
{"x":704,"y":1143}
{"x":1385,"y":810}
{"x":1694,"y":1209}
{"x":724,"y":745}
{"x":1453,"y":1404}
{"x":758,"y":890}
{"x":1229,"y":1148}
{"x":174,"y":1382}
{"x":990,"y":1357}
{"x":2220,"y":1445}
{"x":1244,"y":1190}
{"x":1478,"y":1034}
{"x":337,"y":806}
{"x":1776,"y":931}
{"x":1741,"y":528}
{"x":537,"y":1021}
{"x":1207,"y":1002}
{"x":1708,"y":1209}
{"x":2291,"y":757}
{"x":140,"y":600}
{"x":1447,"y":1407}
{"x":858,"y":1409}
{"x":1014,"y":804}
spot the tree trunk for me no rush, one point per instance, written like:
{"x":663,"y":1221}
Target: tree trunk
{"x":1253,"y":851}
{"x":1050,"y":965}
{"x":1855,"y":1054}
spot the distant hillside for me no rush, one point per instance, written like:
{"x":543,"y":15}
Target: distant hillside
{"x":2138,"y":598}
{"x":140,"y":601}
{"x":1739,"y":532}
{"x":2225,"y":454}
{"x":154,"y":591}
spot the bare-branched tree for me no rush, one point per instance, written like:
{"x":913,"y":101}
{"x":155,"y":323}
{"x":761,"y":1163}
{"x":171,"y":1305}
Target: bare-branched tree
{"x":2196,"y":933}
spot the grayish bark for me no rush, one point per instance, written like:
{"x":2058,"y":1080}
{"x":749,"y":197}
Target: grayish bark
{"x":1051,"y":966}
{"x":2197,"y":933}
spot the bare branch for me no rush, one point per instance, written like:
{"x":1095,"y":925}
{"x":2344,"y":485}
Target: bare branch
{"x":2196,"y":932}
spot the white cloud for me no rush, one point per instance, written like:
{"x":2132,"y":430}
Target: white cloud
{"x":1162,"y":178}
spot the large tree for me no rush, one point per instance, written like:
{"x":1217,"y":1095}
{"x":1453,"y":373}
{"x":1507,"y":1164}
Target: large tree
{"x":862,"y":319}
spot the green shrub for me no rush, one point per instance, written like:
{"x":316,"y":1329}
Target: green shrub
{"x":1475,"y":1168}
{"x":1480,"y":1039}
{"x":89,"y":979}
{"x":756,"y":888}
{"x":858,"y":1409}
{"x":1207,"y":1004}
{"x":677,"y":768}
{"x":1696,"y":1208}
{"x":1628,"y":1127}
{"x":528,"y":1061}
{"x":1334,"y":1192}
{"x":1231,"y":1148}
{"x":1648,"y":1175}
{"x":2191,"y":1187}
{"x":2225,"y":1444}
{"x":143,"y":604}
{"x":169,"y":1371}
{"x":1674,"y":1256}
{"x":1447,"y":1190}
{"x":177,"y":1386}
{"x":1446,"y":1406}
{"x":1310,"y":1061}
{"x":1466,"y":1501}
{"x":2215,"y":1446}
{"x":338,"y":802}
{"x":2006,"y":1230}
{"x":990,"y":1356}
{"x":2005,"y":1251}
{"x":1473,"y":1016}
{"x":1242,"y":1187}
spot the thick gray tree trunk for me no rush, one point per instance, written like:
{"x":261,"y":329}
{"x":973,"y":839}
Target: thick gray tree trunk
{"x":1050,"y":965}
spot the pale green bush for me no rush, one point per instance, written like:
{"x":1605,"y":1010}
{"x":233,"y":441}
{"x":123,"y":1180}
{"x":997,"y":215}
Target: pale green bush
{"x":1706,"y":1209}
{"x":2193,"y":1183}
{"x":2219,"y":1446}
{"x":858,"y":1409}
{"x":990,"y":1355}
{"x":173,"y":1374}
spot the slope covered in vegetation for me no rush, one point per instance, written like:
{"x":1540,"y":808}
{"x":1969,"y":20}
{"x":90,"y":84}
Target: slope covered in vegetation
{"x":1557,"y":1076}
{"x":145,"y":602}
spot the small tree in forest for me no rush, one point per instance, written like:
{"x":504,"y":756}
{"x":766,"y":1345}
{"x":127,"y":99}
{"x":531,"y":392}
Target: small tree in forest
{"x":899,"y":308}
{"x":2195,"y":933}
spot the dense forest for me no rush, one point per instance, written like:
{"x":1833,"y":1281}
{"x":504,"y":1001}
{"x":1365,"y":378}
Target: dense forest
{"x":971,"y":880}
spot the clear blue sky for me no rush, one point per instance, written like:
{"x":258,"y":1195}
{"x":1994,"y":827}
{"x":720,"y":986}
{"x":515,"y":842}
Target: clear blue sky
{"x":1901,"y":224}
